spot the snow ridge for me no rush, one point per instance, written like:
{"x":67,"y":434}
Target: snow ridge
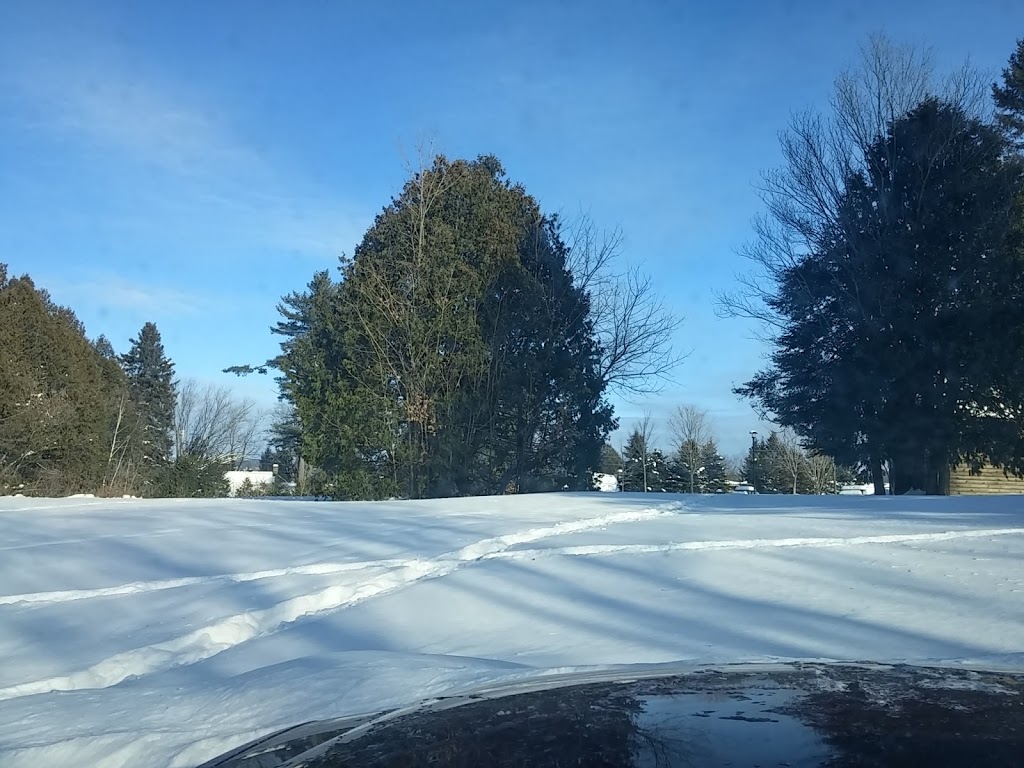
{"x":136,"y":587}
{"x":229,"y":632}
{"x":700,"y":546}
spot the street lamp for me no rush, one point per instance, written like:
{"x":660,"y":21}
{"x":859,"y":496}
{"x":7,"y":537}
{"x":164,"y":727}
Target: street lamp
{"x":753,"y":458}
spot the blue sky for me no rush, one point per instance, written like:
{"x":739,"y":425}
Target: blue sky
{"x":189,"y":162}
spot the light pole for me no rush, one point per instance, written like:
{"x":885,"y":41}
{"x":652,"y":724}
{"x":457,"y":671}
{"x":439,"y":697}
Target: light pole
{"x":753,"y":458}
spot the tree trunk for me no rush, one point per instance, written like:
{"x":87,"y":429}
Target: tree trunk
{"x":876,"y":473}
{"x":938,"y":474}
{"x":912,"y":470}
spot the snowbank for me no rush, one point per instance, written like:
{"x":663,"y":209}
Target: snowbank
{"x":213,"y":622}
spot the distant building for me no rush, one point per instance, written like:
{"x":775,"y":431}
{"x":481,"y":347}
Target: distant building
{"x":260,"y":480}
{"x":857,"y":489}
{"x":989,"y":480}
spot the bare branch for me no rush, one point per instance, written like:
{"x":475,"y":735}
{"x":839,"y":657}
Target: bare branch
{"x":634,"y":327}
{"x":822,"y":472}
{"x":210,"y":422}
{"x":804,"y":198}
{"x":791,"y":457}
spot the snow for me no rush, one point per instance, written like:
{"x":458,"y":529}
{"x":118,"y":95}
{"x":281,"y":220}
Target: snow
{"x":165,"y":632}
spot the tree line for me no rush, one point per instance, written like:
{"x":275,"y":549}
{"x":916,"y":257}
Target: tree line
{"x":888,"y":272}
{"x":472,"y":341}
{"x":77,"y":417}
{"x":693,"y":463}
{"x":780,"y":464}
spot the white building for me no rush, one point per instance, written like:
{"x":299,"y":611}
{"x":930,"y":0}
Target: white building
{"x":260,"y":481}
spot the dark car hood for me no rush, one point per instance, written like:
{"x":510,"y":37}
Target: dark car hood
{"x":804,"y":714}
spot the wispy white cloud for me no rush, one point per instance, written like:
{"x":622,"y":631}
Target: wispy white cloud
{"x":108,"y":292}
{"x":199,"y":170}
{"x":139,"y":119}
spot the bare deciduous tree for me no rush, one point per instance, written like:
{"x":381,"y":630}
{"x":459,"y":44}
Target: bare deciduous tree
{"x":805,"y":196}
{"x":692,"y":430}
{"x":822,"y":472}
{"x":211,"y":422}
{"x":122,"y":472}
{"x":791,"y":457}
{"x":735,"y":466}
{"x":633,"y":325}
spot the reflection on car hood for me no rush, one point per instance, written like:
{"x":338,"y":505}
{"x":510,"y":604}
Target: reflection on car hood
{"x":785,"y":714}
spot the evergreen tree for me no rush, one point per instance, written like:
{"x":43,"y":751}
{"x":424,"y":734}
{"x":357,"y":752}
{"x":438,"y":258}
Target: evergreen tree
{"x":659,"y":474}
{"x":763,"y":467}
{"x":635,"y":462}
{"x":1009,"y":97}
{"x":284,"y":446}
{"x":689,"y":462}
{"x":713,"y":476}
{"x":645,"y":468}
{"x":151,"y":383}
{"x":104,"y":348}
{"x":611,"y":461}
{"x":677,"y":478}
{"x":749,"y":471}
{"x":52,"y":400}
{"x":887,"y":350}
{"x":456,"y":355}
{"x":191,"y":476}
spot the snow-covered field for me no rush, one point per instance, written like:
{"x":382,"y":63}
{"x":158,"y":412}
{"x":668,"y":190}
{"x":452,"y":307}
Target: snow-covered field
{"x":162,"y":633}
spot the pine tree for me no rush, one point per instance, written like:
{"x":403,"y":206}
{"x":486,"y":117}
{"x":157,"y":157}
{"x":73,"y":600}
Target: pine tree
{"x":771,"y":474}
{"x":151,"y":384}
{"x":635,"y":462}
{"x":104,"y":348}
{"x":284,"y":446}
{"x":763,"y":468}
{"x":52,"y":400}
{"x":611,"y":461}
{"x":456,"y":355}
{"x":887,"y":350}
{"x":689,"y":462}
{"x":659,"y":475}
{"x":190,"y":476}
{"x":677,"y":478}
{"x":713,"y":476}
{"x":1009,"y":97}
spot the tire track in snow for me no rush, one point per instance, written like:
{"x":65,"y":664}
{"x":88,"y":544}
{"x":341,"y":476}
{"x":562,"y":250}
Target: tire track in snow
{"x":712,"y":546}
{"x":141,"y":587}
{"x":88,"y":539}
{"x":231,"y":631}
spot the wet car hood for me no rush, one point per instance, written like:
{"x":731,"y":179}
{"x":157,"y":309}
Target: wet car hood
{"x":745,"y":715}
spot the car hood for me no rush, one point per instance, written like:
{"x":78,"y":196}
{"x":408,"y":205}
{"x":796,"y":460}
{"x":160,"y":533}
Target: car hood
{"x":800,"y":714}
